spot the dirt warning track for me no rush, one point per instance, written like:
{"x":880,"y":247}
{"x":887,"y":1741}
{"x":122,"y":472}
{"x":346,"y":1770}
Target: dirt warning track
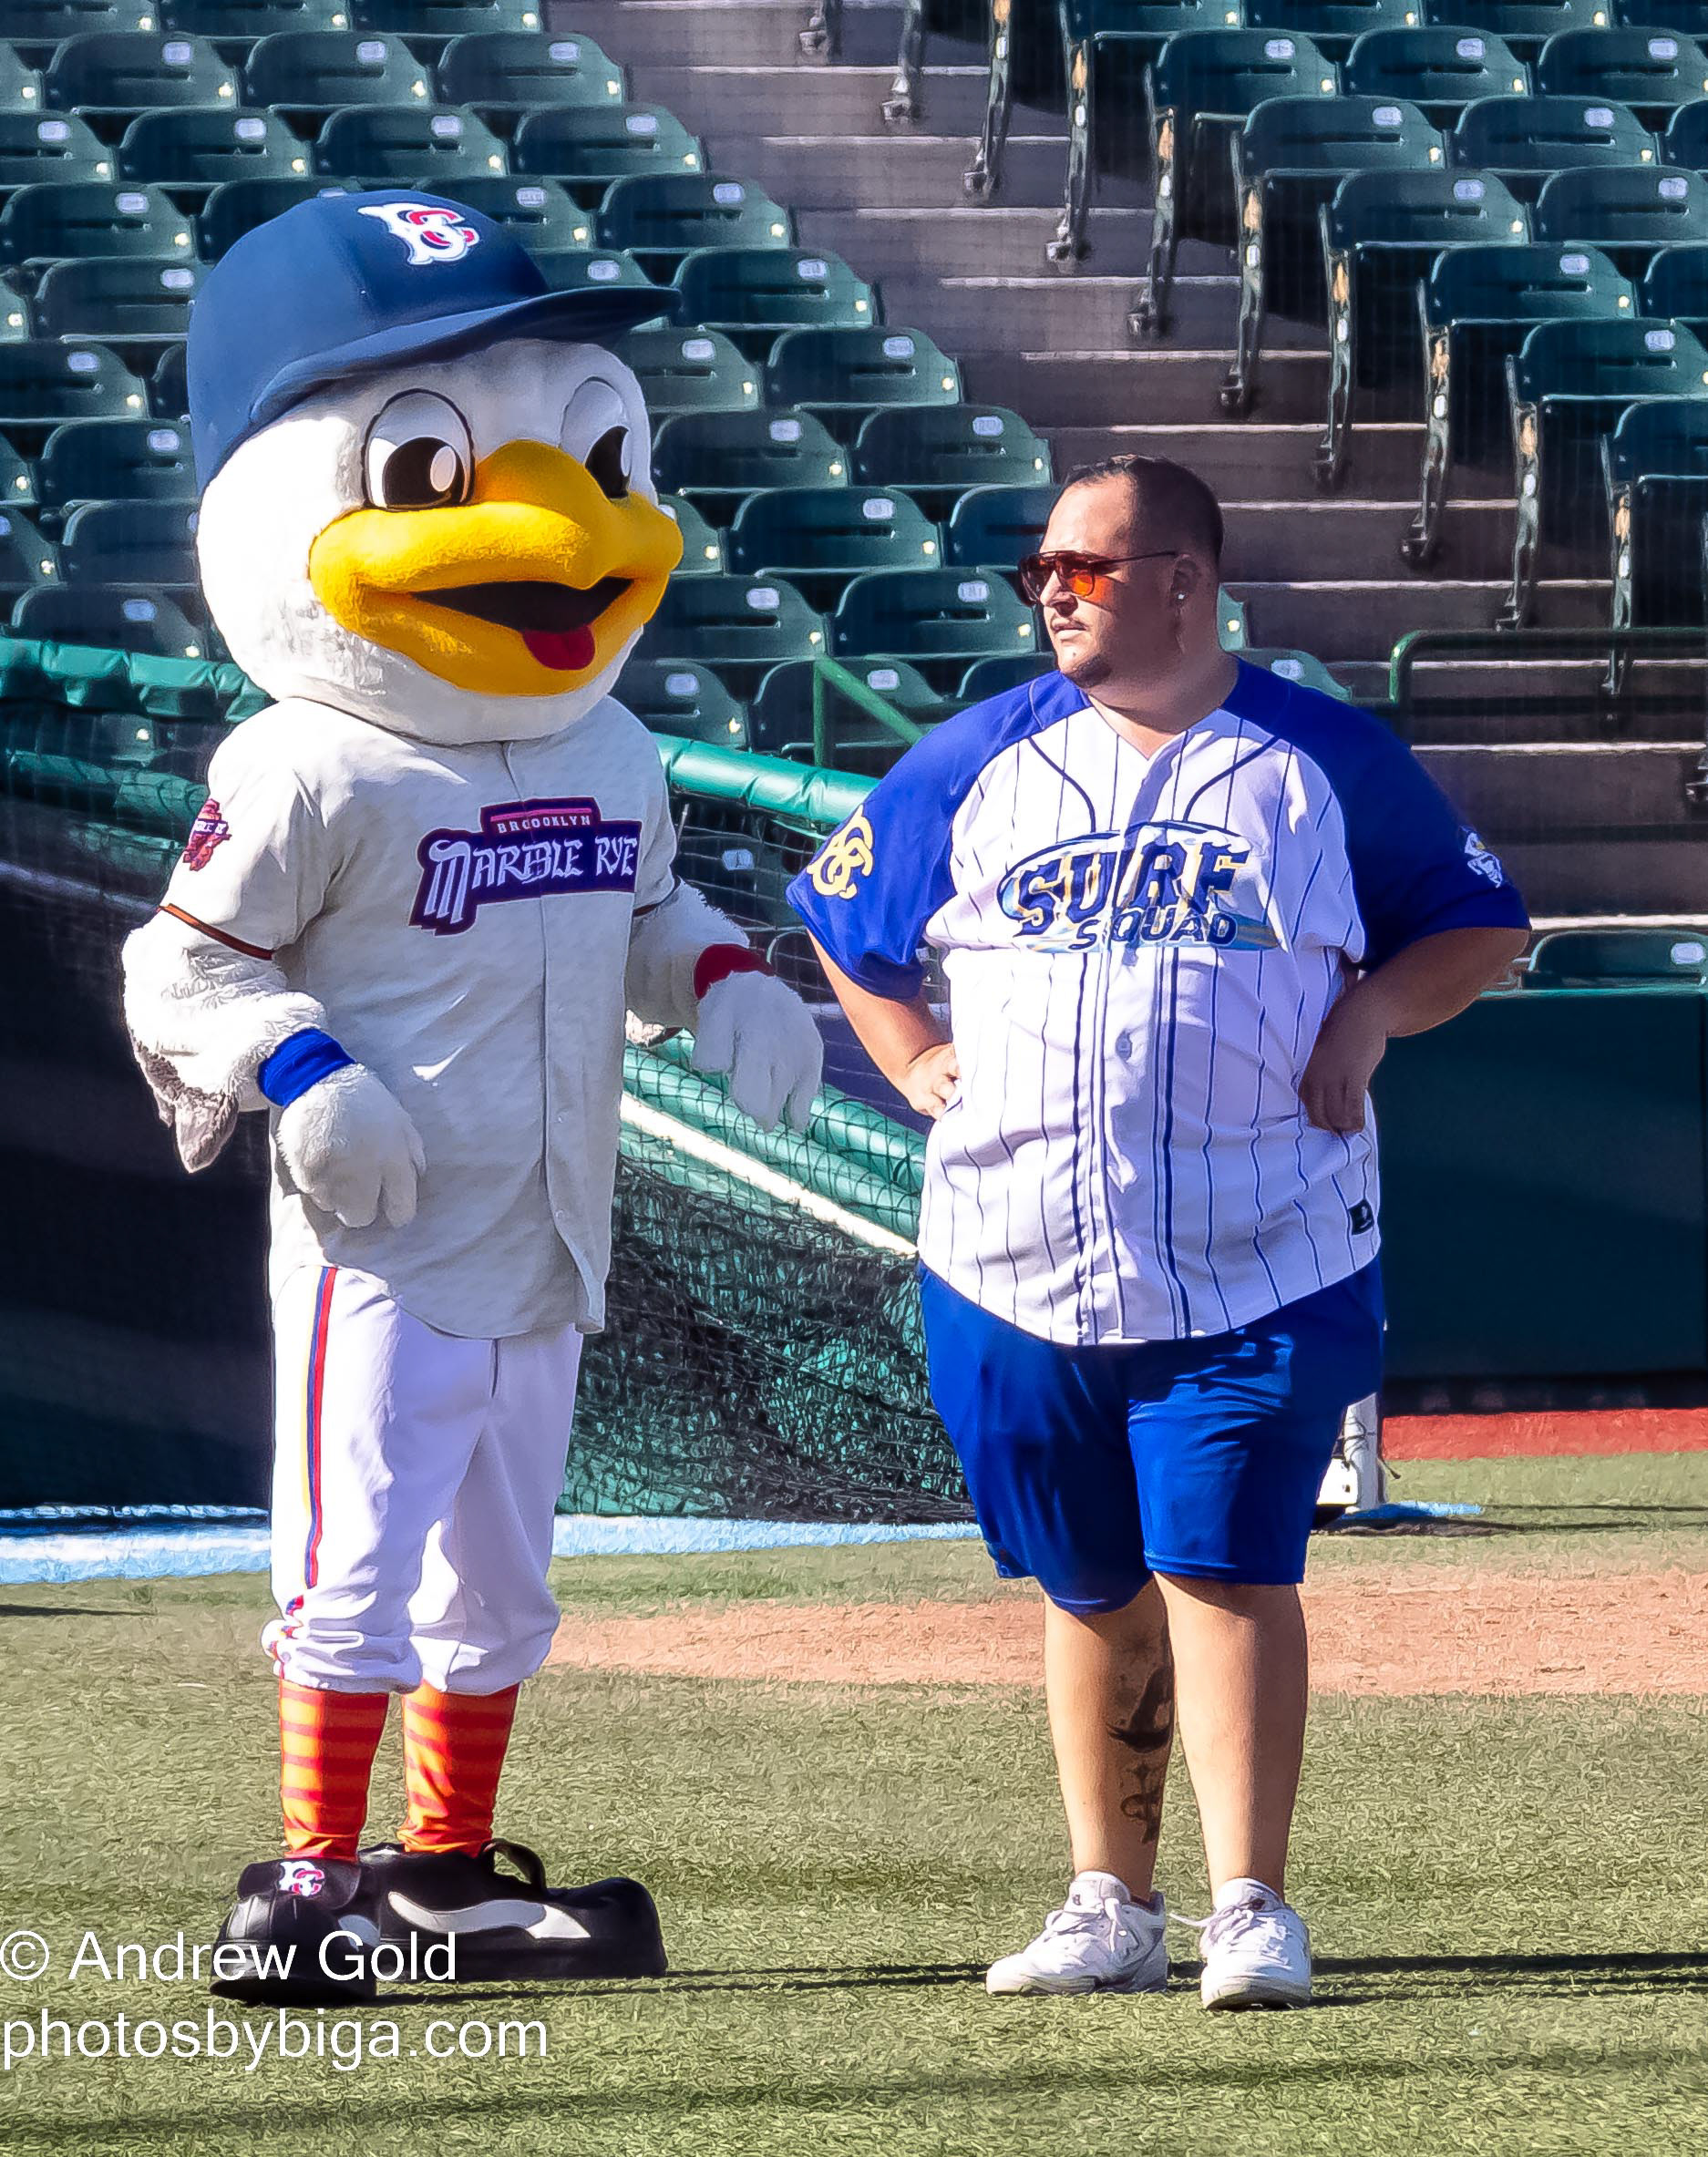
{"x":1488,"y":1633}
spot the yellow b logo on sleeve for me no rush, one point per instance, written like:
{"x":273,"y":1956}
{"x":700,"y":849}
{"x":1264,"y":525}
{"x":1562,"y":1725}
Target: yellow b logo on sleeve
{"x":845,"y":857}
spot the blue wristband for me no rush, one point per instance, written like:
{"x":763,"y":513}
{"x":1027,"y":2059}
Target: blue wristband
{"x":299,"y":1063}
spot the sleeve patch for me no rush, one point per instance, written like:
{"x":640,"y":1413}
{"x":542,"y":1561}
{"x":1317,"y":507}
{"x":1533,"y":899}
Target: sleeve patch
{"x":209,"y":831}
{"x":1484,"y":863}
{"x":846,"y":859}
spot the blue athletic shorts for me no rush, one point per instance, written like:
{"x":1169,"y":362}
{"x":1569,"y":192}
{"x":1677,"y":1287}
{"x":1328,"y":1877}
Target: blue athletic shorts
{"x":1092,"y":1468}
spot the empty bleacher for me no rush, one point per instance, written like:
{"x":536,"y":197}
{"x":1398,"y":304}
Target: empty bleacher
{"x":1421,"y":290}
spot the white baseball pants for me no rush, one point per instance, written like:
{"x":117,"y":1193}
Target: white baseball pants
{"x":416,"y":1476}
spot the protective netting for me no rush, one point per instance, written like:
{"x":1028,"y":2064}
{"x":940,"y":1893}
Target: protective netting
{"x":763,"y":1356}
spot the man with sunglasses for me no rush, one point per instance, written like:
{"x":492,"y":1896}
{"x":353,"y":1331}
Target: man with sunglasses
{"x":1181,"y":904}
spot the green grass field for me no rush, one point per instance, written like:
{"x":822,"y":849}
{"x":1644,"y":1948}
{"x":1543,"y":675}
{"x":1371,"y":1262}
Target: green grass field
{"x":1510,"y":1897}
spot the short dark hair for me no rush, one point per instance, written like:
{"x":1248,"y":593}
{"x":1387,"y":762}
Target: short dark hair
{"x":1171,"y":502}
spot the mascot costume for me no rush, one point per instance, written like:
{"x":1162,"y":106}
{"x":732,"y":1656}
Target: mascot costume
{"x":429,"y":881}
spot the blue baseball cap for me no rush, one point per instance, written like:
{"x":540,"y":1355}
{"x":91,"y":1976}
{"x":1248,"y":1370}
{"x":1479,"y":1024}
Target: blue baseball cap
{"x":347,"y":285}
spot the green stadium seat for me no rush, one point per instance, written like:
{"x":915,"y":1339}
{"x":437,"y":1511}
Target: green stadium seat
{"x":1296,"y":667}
{"x":937,"y":452}
{"x":36,"y":148}
{"x":431,"y":146}
{"x":717,"y":457}
{"x":689,"y":371}
{"x":738,"y":626}
{"x":569,"y":269}
{"x":1651,"y":70}
{"x":589,"y":145}
{"x":1656,"y":466}
{"x":437,"y":21}
{"x":110,"y":76}
{"x":1565,"y":388}
{"x":241,"y":22}
{"x":56,"y":219}
{"x":1288,"y":160}
{"x":1478,"y":305}
{"x":502,"y":74}
{"x":1007,"y":669}
{"x":1106,"y":46}
{"x":26,"y":557}
{"x":194,"y":147}
{"x":997,"y":527}
{"x":15,"y":320}
{"x":1526,"y":24}
{"x":36,"y":26}
{"x":1524,"y":138}
{"x":780,"y":713}
{"x":20,"y":87}
{"x":1628,"y":213}
{"x":664,"y":215}
{"x":540,"y":212}
{"x":843,"y":375}
{"x":113,"y":621}
{"x":1686,"y":141}
{"x":148,"y":543}
{"x":819,"y":537}
{"x":701,"y":543}
{"x":1440,"y":71}
{"x":939,"y":620}
{"x":754,"y":293}
{"x":238,"y":206}
{"x":1586,"y":958}
{"x":43,"y":385}
{"x":1198,"y":95}
{"x":1675,"y":287}
{"x":1380,"y":235}
{"x":308,"y":74}
{"x":1231,"y":625}
{"x":124,"y":300}
{"x":675,"y":696}
{"x":115,"y":460}
{"x":169,"y":394}
{"x":17,"y":478}
{"x":1334,"y":27}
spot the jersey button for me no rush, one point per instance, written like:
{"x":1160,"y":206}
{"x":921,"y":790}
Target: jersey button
{"x":1123,"y":1044}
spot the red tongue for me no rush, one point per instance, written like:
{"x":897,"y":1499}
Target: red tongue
{"x":568,"y":649}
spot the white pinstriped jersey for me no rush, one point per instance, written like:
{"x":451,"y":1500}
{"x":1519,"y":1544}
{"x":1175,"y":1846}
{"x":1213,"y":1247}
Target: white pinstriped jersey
{"x":1139,"y":954}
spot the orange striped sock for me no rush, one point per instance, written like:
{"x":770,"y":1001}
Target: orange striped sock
{"x":453,"y":1752}
{"x":326,"y":1746}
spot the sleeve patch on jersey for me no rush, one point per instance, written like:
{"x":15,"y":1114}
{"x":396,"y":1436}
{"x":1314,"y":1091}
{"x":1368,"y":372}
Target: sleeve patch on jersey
{"x":208,"y":830}
{"x":845,"y":859}
{"x":1484,"y":863}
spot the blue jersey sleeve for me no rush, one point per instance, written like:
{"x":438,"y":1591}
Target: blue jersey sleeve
{"x":868,"y":891}
{"x":1417,"y":867}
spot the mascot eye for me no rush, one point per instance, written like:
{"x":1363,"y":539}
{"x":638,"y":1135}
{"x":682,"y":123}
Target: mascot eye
{"x":608,"y":462}
{"x":420,"y":454}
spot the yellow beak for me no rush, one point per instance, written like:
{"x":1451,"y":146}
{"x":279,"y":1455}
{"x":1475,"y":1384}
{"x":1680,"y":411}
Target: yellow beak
{"x":528,"y":588}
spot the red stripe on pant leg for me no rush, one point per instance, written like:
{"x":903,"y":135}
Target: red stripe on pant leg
{"x":317,"y":1396}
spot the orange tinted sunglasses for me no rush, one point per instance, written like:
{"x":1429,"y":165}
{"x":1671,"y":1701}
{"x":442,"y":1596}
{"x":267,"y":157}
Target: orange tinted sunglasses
{"x":1086,"y":576}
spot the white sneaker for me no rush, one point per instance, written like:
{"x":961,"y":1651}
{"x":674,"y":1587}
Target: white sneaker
{"x":1257,"y":1952}
{"x":1098,"y":1941}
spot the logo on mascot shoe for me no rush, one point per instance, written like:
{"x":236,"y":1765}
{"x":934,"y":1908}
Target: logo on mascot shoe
{"x":297,"y":1876}
{"x":430,"y":234}
{"x":208,"y":830}
{"x":523,"y":849}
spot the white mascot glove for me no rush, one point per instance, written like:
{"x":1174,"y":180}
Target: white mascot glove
{"x":763,"y":1036}
{"x":350,"y":1148}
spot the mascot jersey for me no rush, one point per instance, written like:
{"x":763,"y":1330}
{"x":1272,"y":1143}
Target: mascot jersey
{"x":426,"y":884}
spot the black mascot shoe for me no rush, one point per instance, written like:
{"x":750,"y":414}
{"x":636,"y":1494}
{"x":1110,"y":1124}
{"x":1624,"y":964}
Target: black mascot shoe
{"x":302,"y":1934}
{"x":497,"y":1925}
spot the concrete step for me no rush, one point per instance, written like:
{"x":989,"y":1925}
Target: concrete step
{"x":1255,"y":460}
{"x":968,"y":240}
{"x":1527,"y":701}
{"x":1338,"y":621}
{"x":1615,"y":874}
{"x":1572,"y":789}
{"x":1065,"y":385}
{"x":1275,"y":541}
{"x":874,"y":171}
{"x":1067,"y":314}
{"x":748,"y":97}
{"x":765,"y":32}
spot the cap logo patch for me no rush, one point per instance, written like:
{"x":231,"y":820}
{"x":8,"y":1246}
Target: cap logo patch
{"x":431,"y":234}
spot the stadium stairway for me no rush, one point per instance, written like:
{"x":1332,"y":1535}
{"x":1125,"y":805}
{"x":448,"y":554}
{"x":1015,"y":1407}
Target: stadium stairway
{"x":1594,"y":826}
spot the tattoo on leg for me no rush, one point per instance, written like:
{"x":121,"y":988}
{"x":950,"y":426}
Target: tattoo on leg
{"x":1147,"y":1734}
